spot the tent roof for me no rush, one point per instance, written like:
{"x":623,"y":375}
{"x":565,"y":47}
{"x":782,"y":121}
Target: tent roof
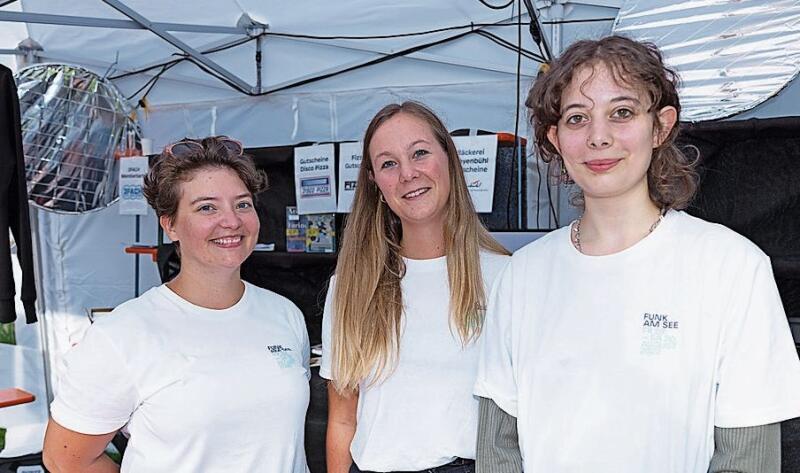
{"x":466,"y":76}
{"x":188,"y":101}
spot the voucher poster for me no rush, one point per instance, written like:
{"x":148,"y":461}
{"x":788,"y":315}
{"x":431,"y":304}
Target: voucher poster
{"x":315,"y":179}
{"x":478,"y":158}
{"x":349,"y":166}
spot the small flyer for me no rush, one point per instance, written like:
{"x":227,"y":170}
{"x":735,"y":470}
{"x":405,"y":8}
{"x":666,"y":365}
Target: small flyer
{"x":315,"y":179}
{"x":321,"y":233}
{"x":295,"y":231}
{"x":349,"y":166}
{"x":478,"y":158}
{"x":132,"y":170}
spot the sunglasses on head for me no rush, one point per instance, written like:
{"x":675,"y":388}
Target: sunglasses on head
{"x":185,"y":147}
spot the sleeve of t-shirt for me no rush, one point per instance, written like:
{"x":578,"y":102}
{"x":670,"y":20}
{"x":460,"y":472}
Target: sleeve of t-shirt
{"x":95,"y":394}
{"x":327,"y":340}
{"x":302,"y":337}
{"x":759,"y":370}
{"x":496,"y":379}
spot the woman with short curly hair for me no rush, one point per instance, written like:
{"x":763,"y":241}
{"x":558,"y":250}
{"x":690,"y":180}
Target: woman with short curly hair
{"x":205,"y":372}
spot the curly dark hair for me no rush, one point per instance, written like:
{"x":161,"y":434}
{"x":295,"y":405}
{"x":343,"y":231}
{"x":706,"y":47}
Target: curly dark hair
{"x":161,"y":185}
{"x":671,"y":178}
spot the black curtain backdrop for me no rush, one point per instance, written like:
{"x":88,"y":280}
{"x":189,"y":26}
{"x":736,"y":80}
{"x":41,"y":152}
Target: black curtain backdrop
{"x":750,"y":182}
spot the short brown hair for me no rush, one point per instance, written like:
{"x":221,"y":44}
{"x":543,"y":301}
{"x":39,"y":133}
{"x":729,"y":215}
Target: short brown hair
{"x":161,"y":185}
{"x":671,"y":178}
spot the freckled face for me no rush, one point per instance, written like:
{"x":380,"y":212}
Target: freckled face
{"x":410,"y":168}
{"x":606,"y":133}
{"x":216,"y":222}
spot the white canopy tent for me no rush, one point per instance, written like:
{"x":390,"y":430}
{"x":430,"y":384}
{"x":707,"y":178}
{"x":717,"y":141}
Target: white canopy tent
{"x":317,"y":82}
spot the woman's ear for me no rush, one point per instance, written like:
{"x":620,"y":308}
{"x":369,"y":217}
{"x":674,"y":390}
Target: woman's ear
{"x":667,"y":117}
{"x":167,"y":224}
{"x":552,"y":137}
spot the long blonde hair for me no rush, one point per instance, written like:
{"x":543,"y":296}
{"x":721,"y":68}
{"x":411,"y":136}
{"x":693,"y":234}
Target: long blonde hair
{"x":367,"y":302}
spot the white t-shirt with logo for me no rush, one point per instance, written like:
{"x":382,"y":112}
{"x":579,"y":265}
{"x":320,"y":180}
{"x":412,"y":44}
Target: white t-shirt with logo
{"x":626,"y":362}
{"x":424,"y":415}
{"x":196,"y":389}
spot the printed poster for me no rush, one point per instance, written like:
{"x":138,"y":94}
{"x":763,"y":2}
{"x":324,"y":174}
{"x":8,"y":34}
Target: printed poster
{"x":478,"y":158}
{"x":349,"y":165}
{"x":315,"y":179}
{"x":132,"y":170}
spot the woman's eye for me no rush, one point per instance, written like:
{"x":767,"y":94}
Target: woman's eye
{"x":387,"y":164}
{"x":244,"y":205}
{"x":420,"y":152}
{"x":206,"y":208}
{"x":623,"y":113}
{"x":574,"y":119}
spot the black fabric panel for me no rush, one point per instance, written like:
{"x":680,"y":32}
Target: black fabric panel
{"x":750,"y":182}
{"x":13,"y":206}
{"x":790,"y":446}
{"x":12,"y":465}
{"x":278,"y":163}
{"x":317,"y":423}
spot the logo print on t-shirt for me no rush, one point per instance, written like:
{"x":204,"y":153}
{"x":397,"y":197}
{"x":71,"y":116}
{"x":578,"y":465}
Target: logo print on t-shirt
{"x":282,"y":355}
{"x":659,"y":333}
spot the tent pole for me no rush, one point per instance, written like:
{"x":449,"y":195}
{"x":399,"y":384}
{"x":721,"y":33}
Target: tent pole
{"x":68,"y":20}
{"x":196,"y":55}
{"x":259,"y":39}
{"x":557,"y":13}
{"x":40,"y":302}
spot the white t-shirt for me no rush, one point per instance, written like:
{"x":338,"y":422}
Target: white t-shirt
{"x":196,"y":389}
{"x":424,"y":415}
{"x":626,"y":362}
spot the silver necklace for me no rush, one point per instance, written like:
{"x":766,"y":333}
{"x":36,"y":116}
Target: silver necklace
{"x":576,"y":228}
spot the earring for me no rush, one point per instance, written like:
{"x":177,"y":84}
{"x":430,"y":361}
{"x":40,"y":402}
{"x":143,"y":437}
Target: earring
{"x":563,"y":177}
{"x":381,"y":198}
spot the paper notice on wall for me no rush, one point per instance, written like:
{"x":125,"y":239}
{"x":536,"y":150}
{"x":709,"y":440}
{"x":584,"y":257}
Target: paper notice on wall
{"x":132,"y":170}
{"x":478,"y":158}
{"x":349,"y":165}
{"x":315,"y":179}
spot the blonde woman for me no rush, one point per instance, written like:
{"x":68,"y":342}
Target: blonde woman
{"x":405,"y":309}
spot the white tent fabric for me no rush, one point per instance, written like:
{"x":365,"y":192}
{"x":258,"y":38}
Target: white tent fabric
{"x":187,"y":101}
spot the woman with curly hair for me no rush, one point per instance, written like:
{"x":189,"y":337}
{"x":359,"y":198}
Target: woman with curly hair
{"x":206,"y":372}
{"x":638,"y":338}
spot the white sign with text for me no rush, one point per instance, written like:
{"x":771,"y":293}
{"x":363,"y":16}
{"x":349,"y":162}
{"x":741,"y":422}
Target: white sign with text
{"x":315,"y":179}
{"x":132,"y":170}
{"x":349,"y":165}
{"x":478,"y":158}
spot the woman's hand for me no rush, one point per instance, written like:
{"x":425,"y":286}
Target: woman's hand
{"x":67,"y":451}
{"x":341,"y":429}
